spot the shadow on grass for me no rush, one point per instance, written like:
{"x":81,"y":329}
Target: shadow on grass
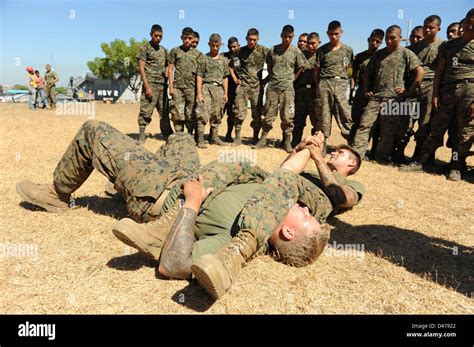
{"x":131,"y":262}
{"x":445,"y":262}
{"x":193,"y":297}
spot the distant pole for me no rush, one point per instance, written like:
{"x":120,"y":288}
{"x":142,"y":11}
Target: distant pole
{"x":407,"y":40}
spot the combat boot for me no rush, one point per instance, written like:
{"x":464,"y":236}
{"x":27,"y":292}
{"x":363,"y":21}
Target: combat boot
{"x":43,"y":195}
{"x":200,"y":139}
{"x":262,"y":143}
{"x":216,"y":272}
{"x":237,"y":140}
{"x":147,"y":238}
{"x":454,"y":175}
{"x":214,"y":138}
{"x":256,"y":132}
{"x":228,"y":135}
{"x":141,"y":135}
{"x":286,"y":143}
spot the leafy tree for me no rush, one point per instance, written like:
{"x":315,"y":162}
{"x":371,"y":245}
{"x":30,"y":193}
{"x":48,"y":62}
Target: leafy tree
{"x":19,"y":87}
{"x":61,"y":90}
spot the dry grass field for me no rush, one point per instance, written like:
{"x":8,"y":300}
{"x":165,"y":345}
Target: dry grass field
{"x":413,"y":231}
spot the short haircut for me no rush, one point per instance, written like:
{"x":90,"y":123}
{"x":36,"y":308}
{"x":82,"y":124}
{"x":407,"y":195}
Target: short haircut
{"x":156,"y":27}
{"x":215,"y":38}
{"x":187,"y":31}
{"x":232,"y":40}
{"x":36,"y":71}
{"x":335,"y":24}
{"x":301,"y":251}
{"x":470,"y":13}
{"x":252,"y":31}
{"x":393,"y":28}
{"x":304,"y":34}
{"x":452,"y":25}
{"x":196,"y":34}
{"x":288,"y":29}
{"x":377,"y":33}
{"x":355,"y":155}
{"x":433,"y":18}
{"x":314,"y":35}
{"x":417,"y":28}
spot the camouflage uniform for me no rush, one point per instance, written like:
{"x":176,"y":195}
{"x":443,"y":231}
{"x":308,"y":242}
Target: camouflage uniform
{"x":212,"y":71}
{"x":50,"y":88}
{"x":231,"y":94}
{"x":387,"y":71}
{"x":248,"y":68}
{"x":155,"y":67}
{"x":331,"y":90}
{"x":456,"y":100}
{"x":280,"y":91}
{"x":138,"y":174}
{"x":305,"y":95}
{"x":185,"y":63}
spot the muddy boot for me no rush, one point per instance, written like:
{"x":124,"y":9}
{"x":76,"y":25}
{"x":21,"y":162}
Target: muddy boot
{"x":216,"y":272}
{"x":286,"y":143}
{"x":141,"y":135}
{"x":43,"y":195}
{"x":255,"y":136}
{"x":228,"y":135}
{"x":147,"y":238}
{"x":425,"y":161}
{"x":262,"y":143}
{"x":214,"y":138}
{"x":237,"y":140}
{"x":200,"y":142}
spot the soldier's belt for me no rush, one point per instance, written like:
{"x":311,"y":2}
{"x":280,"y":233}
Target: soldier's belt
{"x":213,"y":83}
{"x":333,"y":77}
{"x":155,"y":210}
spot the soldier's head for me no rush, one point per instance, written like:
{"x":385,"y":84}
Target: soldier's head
{"x":233,"y":44}
{"x":48,"y":68}
{"x":452,"y":31}
{"x":252,"y":38}
{"x":303,"y":42}
{"x":461,"y":26}
{"x":375,"y":39}
{"x":345,"y":160}
{"x":215,"y":43}
{"x":431,"y":27}
{"x":187,"y":37}
{"x":287,"y":35}
{"x":334,"y":32}
{"x":37,"y":73}
{"x":300,"y":239}
{"x":393,"y":37}
{"x":468,"y":24}
{"x":196,"y":38}
{"x":313,"y":42}
{"x":416,"y":34}
{"x":156,"y":34}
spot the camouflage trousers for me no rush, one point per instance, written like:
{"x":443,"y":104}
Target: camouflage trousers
{"x":147,"y":106}
{"x":283,"y":101}
{"x":182,"y":108}
{"x":51,"y":94}
{"x":358,"y":107}
{"x":331,"y":100}
{"x":455,"y":101}
{"x":140,"y":175}
{"x":211,"y":108}
{"x":304,"y":106}
{"x":229,"y":110}
{"x":244,"y":94}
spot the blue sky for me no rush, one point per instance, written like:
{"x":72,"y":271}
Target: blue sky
{"x":67,"y":34}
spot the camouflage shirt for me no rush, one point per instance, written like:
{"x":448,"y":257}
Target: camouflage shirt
{"x":427,"y":53}
{"x":249,"y":64}
{"x":185,"y":63}
{"x":306,"y":76}
{"x":334,"y":63}
{"x":389,"y":70}
{"x":459,"y":56}
{"x":213,"y":70}
{"x":359,"y":66}
{"x":155,"y":62}
{"x":283,"y":66}
{"x":231,"y":84}
{"x":50,"y":77}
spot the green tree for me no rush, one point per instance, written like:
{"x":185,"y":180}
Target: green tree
{"x":119,"y":63}
{"x":61,"y":90}
{"x":19,"y":87}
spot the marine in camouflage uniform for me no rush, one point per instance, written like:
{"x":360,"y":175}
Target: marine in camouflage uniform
{"x":387,"y":71}
{"x":184,"y":83}
{"x":210,"y":109}
{"x":155,"y":71}
{"x":331,"y":90}
{"x":248,"y":68}
{"x":50,"y":77}
{"x":282,"y":65}
{"x":231,"y":94}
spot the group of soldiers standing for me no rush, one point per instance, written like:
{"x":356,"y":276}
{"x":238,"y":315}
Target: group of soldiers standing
{"x":429,"y":82}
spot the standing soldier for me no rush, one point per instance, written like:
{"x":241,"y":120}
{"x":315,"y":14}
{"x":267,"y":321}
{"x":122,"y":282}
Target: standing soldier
{"x":305,"y":91}
{"x":361,"y":60}
{"x":152,"y":67}
{"x":384,"y":84}
{"x":182,"y":67}
{"x":453,"y":97}
{"x":331,"y":71}
{"x":211,"y":96}
{"x":283,"y":61}
{"x":51,"y":78}
{"x":233,"y":45}
{"x":247,"y":68}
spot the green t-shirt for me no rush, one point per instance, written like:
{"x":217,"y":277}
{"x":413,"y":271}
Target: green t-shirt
{"x":155,"y":62}
{"x":217,"y":223}
{"x":50,"y":77}
{"x":213,"y":70}
{"x":334,"y":63}
{"x":249,"y":64}
{"x":428,"y":54}
{"x":459,"y":56}
{"x":185,"y":64}
{"x":283,"y":66}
